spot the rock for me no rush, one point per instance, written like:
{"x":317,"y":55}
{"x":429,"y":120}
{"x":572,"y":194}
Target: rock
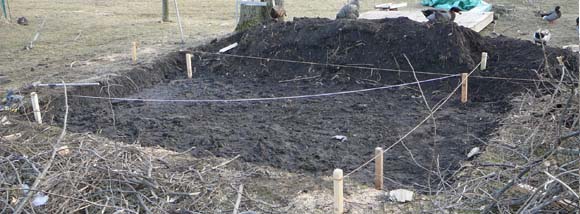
{"x":400,"y":195}
{"x":473,"y":152}
{"x":4,"y":121}
{"x":39,"y":199}
{"x":63,"y":151}
{"x":342,"y":138}
{"x":22,"y":21}
{"x":25,"y":188}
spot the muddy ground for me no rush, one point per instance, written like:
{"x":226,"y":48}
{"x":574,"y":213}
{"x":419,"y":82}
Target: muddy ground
{"x":296,"y":135}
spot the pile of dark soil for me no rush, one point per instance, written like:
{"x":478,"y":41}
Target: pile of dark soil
{"x":296,"y":134}
{"x":444,"y":48}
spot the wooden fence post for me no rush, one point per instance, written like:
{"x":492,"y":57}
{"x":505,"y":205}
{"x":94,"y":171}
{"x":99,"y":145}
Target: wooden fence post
{"x":464,"y":87}
{"x":379,"y":168}
{"x":36,"y":107}
{"x":338,"y":191}
{"x":188,"y":64}
{"x":134,"y":52}
{"x":165,"y":10}
{"x":483,"y":65}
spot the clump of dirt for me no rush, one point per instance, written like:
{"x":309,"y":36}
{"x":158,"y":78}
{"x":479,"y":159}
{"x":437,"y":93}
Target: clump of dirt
{"x":335,"y":55}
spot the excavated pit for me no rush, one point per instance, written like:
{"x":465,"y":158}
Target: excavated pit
{"x":296,"y":134}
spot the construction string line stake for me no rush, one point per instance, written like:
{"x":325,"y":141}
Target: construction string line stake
{"x":188,"y":64}
{"x":36,"y":107}
{"x":464,"y":78}
{"x":379,"y":168}
{"x":338,"y":191}
{"x":483,"y":61}
{"x":134,"y":51}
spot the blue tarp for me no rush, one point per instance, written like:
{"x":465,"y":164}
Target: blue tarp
{"x":447,"y":4}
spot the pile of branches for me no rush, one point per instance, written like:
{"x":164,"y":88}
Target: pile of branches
{"x":532,"y":164}
{"x":92,"y":176}
{"x":81,"y":173}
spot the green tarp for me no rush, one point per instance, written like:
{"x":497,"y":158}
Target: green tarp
{"x":447,"y":4}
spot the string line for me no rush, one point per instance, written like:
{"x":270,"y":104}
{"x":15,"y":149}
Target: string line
{"x":264,"y":98}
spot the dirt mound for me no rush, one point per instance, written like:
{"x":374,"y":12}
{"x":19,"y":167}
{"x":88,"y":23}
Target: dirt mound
{"x":311,"y":56}
{"x":369,"y":43}
{"x":443,"y":48}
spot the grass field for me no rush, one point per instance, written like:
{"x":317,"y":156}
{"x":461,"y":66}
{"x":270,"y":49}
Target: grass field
{"x":87,"y":39}
{"x":95,"y":36}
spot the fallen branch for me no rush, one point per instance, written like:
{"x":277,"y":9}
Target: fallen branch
{"x":47,"y":166}
{"x":239,"y":199}
{"x":29,"y":46}
{"x":222,"y":164}
{"x":299,"y":79}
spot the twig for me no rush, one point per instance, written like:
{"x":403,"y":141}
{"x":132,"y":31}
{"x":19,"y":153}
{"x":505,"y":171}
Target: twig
{"x":78,"y":36}
{"x":563,"y":184}
{"x":543,"y":204}
{"x":298,"y":79}
{"x":29,"y":46}
{"x":222,"y":164}
{"x":239,"y":199}
{"x":142,"y":203}
{"x":433,"y":148}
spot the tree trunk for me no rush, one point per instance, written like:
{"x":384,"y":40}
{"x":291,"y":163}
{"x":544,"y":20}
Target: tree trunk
{"x":252,"y":15}
{"x":280,"y":3}
{"x":164,"y":10}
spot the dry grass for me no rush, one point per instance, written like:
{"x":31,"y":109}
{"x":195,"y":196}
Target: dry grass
{"x":97,"y":34}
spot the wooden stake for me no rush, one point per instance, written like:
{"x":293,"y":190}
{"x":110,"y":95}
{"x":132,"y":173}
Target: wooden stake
{"x":464,"y":87}
{"x":134,"y":52}
{"x":379,"y":168}
{"x":36,"y":107}
{"x":483,"y":61}
{"x":338,"y":191}
{"x":188,"y":64}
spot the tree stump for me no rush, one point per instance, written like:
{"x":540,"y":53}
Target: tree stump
{"x":254,"y":14}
